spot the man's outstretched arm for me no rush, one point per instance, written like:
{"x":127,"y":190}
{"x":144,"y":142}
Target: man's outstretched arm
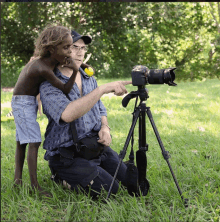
{"x":79,"y":107}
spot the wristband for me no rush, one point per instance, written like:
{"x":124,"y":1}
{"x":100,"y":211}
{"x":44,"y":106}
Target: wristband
{"x":106,"y":125}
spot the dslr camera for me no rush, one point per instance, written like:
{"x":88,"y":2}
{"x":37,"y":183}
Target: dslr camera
{"x":141,"y":76}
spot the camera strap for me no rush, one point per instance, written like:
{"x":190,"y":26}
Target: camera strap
{"x":73,"y":127}
{"x":137,"y":184}
{"x":132,"y":172}
{"x":74,"y":132}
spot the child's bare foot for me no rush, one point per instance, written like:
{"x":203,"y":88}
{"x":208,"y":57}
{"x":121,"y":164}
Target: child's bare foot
{"x":17,"y":183}
{"x":45,"y":193}
{"x":41,"y":191}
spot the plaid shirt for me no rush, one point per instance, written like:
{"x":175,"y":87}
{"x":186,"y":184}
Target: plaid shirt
{"x":54,"y":102}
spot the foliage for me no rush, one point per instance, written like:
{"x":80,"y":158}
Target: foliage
{"x":156,"y":34}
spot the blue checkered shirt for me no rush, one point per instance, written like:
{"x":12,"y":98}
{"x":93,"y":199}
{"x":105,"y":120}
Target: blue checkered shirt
{"x":54,"y":102}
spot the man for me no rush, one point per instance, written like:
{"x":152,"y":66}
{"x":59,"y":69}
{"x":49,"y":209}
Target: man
{"x":83,"y":106}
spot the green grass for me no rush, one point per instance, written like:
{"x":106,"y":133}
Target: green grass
{"x":187,"y":118}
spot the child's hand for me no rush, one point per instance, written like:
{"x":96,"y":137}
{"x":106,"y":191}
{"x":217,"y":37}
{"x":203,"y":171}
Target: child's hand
{"x":69,"y":62}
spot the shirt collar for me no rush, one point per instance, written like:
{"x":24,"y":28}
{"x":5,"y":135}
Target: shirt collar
{"x":83,"y":73}
{"x":59,"y":74}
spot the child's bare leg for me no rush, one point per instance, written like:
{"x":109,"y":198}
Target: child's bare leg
{"x":32,"y":165}
{"x":19,"y":162}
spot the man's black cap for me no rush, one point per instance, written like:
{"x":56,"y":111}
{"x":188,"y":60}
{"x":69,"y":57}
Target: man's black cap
{"x":76,"y":36}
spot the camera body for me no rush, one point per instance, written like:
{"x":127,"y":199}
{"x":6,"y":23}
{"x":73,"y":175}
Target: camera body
{"x":141,"y":76}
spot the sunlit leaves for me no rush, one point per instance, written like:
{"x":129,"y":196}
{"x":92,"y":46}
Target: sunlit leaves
{"x":156,"y":34}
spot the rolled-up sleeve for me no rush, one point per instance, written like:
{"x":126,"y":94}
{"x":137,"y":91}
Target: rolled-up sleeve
{"x":102,"y":109}
{"x":54,"y":102}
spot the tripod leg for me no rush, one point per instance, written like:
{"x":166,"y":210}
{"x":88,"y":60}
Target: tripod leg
{"x":165,"y":153}
{"x":141,"y":158}
{"x":123,"y":152}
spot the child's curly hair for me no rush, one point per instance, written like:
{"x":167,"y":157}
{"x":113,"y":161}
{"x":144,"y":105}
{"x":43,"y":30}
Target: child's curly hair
{"x":52,"y":35}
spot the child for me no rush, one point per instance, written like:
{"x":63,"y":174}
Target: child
{"x":53,"y":46}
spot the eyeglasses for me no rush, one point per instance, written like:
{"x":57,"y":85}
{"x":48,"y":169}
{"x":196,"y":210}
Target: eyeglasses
{"x":78,"y":48}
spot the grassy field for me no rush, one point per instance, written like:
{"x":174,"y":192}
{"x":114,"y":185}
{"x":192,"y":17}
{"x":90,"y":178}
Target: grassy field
{"x":188,"y":120}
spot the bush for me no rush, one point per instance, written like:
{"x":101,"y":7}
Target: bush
{"x":10,"y":71}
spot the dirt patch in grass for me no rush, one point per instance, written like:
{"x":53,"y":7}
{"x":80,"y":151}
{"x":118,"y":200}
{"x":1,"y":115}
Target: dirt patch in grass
{"x":112,"y":94}
{"x":6,"y":105}
{"x":8,"y":89}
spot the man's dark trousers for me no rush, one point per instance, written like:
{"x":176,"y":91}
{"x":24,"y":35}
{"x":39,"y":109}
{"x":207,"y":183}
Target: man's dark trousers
{"x":96,"y":173}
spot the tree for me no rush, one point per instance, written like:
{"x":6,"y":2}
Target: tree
{"x":214,"y":60}
{"x":156,"y":34}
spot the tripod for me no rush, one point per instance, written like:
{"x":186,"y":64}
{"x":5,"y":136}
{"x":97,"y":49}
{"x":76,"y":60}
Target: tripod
{"x":140,"y":113}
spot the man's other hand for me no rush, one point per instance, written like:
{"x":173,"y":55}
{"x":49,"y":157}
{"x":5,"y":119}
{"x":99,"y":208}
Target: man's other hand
{"x":104,"y":136}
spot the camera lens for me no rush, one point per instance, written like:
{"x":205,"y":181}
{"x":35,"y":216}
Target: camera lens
{"x":161,"y":76}
{"x":169,"y":76}
{"x":155,"y":76}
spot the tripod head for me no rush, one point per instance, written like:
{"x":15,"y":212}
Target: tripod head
{"x":142,"y":93}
